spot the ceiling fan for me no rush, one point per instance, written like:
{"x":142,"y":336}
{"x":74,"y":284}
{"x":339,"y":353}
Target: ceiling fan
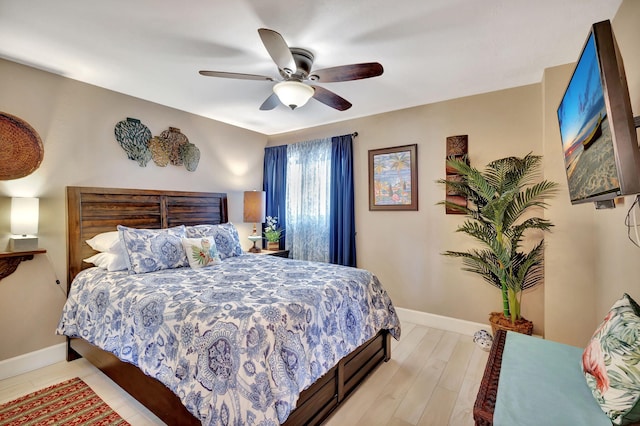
{"x":295,"y":67}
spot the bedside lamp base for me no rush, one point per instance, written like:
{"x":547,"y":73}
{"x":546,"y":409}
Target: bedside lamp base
{"x":255,"y":238}
{"x":23,"y":243}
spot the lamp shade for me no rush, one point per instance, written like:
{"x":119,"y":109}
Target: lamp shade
{"x":254,"y":206}
{"x":293,"y":94}
{"x":24,"y":216}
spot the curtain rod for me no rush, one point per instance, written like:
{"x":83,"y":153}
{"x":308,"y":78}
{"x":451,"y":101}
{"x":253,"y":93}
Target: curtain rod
{"x":353,"y":135}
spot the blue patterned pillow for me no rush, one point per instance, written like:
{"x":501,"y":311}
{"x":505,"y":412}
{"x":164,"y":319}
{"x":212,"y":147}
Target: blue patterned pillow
{"x":149,"y":250}
{"x":225,"y":235}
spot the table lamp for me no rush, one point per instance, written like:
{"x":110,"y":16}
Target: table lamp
{"x":254,"y":212}
{"x":24,"y":224}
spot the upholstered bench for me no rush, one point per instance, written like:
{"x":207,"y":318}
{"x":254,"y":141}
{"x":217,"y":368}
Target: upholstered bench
{"x":532,"y":381}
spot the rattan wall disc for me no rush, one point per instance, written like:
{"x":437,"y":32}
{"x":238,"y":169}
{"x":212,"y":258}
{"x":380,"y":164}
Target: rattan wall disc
{"x":21,"y":148}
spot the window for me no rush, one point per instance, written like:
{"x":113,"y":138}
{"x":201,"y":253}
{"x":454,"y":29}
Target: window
{"x":309,"y":188}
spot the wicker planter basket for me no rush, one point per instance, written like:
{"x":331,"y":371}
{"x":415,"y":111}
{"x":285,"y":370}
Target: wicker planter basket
{"x":500,"y":322}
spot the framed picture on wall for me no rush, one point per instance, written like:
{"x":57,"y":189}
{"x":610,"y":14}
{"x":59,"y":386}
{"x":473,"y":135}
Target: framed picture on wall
{"x":393,"y":178}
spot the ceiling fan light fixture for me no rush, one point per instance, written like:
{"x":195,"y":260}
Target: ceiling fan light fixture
{"x":293,"y":94}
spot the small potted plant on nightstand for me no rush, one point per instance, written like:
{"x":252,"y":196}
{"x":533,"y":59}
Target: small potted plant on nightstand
{"x":272,"y":233}
{"x":500,"y":199}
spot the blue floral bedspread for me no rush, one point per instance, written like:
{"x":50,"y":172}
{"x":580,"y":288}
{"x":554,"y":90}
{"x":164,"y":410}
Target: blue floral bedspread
{"x":237,"y":342}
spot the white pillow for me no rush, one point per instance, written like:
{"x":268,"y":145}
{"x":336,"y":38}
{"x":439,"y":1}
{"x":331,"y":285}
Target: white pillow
{"x":201,"y":252}
{"x":109,"y":261}
{"x":106,"y":242}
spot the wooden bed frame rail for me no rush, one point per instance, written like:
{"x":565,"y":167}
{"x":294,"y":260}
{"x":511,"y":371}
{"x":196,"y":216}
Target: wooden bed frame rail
{"x":91,"y":211}
{"x":315,"y":404}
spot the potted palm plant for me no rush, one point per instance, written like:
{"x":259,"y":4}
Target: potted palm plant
{"x":498,"y":216}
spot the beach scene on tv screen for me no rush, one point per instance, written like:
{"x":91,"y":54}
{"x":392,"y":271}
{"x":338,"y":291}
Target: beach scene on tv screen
{"x":586,"y":136}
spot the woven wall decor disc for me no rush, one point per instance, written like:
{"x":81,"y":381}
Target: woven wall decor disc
{"x":21,"y":148}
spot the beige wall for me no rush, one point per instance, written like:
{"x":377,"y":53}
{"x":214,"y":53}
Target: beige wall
{"x":403,"y":248}
{"x":617,"y":259}
{"x":570,"y":255}
{"x":76,"y":122}
{"x":590,"y":261}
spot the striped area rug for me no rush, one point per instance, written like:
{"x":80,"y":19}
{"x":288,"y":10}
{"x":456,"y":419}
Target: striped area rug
{"x":67,"y":403}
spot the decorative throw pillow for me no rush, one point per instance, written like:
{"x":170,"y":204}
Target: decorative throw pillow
{"x":224,"y":234}
{"x":148,"y":250}
{"x":611,"y":362}
{"x":201,"y":252}
{"x":109,"y":261}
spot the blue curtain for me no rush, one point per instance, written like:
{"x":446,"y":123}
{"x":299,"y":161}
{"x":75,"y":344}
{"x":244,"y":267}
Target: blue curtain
{"x":274,"y":183}
{"x":342,"y":228}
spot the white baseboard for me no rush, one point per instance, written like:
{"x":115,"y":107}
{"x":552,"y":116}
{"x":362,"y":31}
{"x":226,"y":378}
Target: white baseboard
{"x":441,"y":322}
{"x":32,"y":360}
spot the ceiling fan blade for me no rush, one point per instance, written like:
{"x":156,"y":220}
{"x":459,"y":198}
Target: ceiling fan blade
{"x":235,"y":75}
{"x":270,"y":103}
{"x":347,"y":72}
{"x":329,"y":98}
{"x":278,"y":49}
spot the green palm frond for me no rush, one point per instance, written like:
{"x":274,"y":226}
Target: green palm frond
{"x":516,"y":232}
{"x":456,"y":207}
{"x":532,"y":270}
{"x":481,"y":262}
{"x":476,"y":183}
{"x":513,"y":172}
{"x":533,"y":196}
{"x":482,"y":232}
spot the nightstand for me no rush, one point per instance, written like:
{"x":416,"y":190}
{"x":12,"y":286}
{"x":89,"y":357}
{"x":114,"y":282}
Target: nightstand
{"x":10,"y":260}
{"x":279,"y":253}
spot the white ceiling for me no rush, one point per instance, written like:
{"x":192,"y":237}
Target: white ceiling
{"x":431,"y":50}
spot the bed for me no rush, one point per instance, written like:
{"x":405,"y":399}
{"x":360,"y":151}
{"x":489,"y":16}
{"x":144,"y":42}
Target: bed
{"x":322,"y":385}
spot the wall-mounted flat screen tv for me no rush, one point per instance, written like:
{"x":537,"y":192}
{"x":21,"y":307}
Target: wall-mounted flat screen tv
{"x":599,"y":140}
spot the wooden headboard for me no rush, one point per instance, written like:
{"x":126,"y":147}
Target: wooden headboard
{"x":91,"y":211}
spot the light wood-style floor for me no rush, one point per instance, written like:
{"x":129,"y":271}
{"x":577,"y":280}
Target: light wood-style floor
{"x":432,"y":379}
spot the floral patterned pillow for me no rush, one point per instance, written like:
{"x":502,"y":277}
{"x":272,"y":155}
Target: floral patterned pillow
{"x":224,"y":234}
{"x":611,"y":362}
{"x":201,"y":252}
{"x":149,"y":250}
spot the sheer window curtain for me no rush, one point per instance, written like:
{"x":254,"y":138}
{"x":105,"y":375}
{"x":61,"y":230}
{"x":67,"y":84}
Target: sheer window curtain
{"x":307,"y":199}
